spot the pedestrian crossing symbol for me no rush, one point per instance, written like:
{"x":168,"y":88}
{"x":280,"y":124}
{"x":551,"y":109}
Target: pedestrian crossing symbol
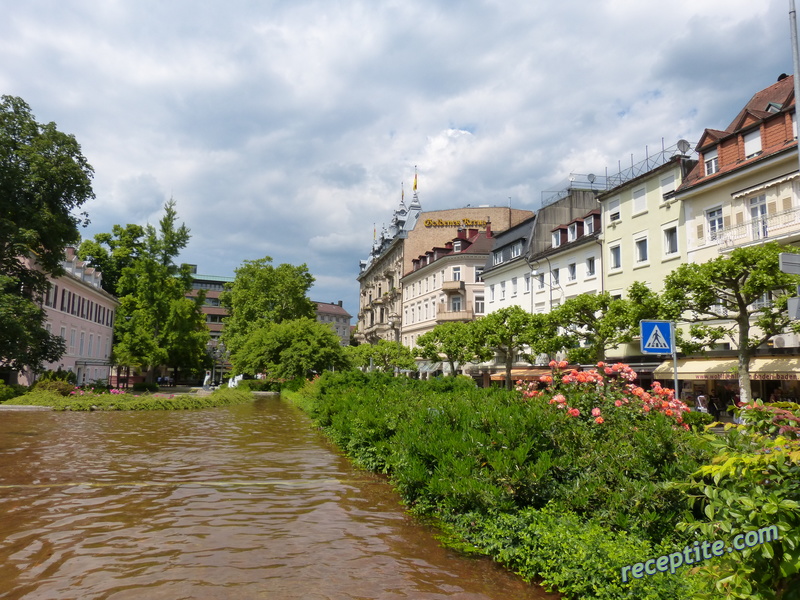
{"x":657,"y":337}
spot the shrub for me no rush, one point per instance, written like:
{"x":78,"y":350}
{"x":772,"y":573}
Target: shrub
{"x":59,"y":375}
{"x":54,"y":385}
{"x":697,"y":420}
{"x":7,"y":392}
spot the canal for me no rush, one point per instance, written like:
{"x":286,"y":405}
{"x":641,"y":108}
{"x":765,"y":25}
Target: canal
{"x":244,"y":502}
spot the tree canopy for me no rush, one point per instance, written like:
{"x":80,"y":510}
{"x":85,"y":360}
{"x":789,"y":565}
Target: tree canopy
{"x":290,"y":349}
{"x":262,"y":294}
{"x":383,"y":356}
{"x":44,"y":179}
{"x":451,"y":341}
{"x":740,"y":297}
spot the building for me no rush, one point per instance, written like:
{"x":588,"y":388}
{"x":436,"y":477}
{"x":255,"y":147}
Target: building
{"x":744,"y":191}
{"x":213,"y":285}
{"x":337,"y":317}
{"x":83,"y":314}
{"x":411,"y":234}
{"x":445,"y":284}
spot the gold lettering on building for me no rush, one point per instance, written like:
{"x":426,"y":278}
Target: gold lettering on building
{"x":472,"y":223}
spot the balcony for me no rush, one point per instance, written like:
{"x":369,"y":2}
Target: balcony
{"x":761,"y":229}
{"x":444,"y":313}
{"x":451,"y":287}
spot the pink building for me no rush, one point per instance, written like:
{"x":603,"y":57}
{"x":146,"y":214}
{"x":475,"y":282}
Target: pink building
{"x":82,"y":313}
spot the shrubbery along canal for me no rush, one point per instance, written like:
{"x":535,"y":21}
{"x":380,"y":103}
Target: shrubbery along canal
{"x":244,"y":502}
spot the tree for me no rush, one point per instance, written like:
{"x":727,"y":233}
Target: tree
{"x":44,"y":178}
{"x":263,"y":294}
{"x":112,"y":252}
{"x":592,"y":324}
{"x":155,"y":323}
{"x":384,"y":356}
{"x":511,"y":332}
{"x":290,"y":349}
{"x":453,"y":341}
{"x":741,"y":297}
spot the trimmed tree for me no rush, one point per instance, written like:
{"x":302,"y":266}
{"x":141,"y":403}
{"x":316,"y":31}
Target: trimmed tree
{"x":452,"y":341}
{"x":740,"y":297}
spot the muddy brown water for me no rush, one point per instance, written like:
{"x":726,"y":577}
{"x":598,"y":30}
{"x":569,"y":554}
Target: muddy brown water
{"x":246,"y":502}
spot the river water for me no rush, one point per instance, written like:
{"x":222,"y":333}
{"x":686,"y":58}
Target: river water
{"x":245,"y":502}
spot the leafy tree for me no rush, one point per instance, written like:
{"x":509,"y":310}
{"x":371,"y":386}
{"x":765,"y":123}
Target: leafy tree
{"x":43,"y":179}
{"x":155,"y":323}
{"x":384,"y":356}
{"x":592,"y":324}
{"x":511,"y":332}
{"x":262,"y":294}
{"x":290,"y":349}
{"x":112,"y":252}
{"x":741,"y":297}
{"x":453,"y":341}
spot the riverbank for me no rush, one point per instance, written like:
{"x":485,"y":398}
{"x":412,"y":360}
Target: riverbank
{"x":563,"y":496}
{"x":83,"y":400}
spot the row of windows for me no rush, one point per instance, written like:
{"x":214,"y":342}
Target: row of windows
{"x":641,"y":248}
{"x":428,"y":310}
{"x":79,"y":306}
{"x":457,"y":273}
{"x":83,"y":345}
{"x":639,"y":199}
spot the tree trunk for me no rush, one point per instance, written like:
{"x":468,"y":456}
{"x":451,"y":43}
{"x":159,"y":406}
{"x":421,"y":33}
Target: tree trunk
{"x":509,"y":366}
{"x":745,"y":390}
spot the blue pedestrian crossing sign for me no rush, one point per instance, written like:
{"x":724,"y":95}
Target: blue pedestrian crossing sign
{"x":657,"y":337}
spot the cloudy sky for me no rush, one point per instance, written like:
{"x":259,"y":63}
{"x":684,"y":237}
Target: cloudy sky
{"x":285,"y":128}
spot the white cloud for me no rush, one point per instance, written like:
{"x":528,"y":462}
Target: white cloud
{"x":286,"y":128}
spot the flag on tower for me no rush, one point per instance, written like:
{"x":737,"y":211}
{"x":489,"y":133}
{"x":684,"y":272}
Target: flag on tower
{"x":415,"y":181}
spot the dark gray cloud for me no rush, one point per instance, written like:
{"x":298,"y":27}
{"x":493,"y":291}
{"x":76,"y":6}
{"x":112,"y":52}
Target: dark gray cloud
{"x":285,"y":128}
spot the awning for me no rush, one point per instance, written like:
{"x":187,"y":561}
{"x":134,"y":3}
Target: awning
{"x":762,"y":367}
{"x":429,"y":367}
{"x":526,"y":374}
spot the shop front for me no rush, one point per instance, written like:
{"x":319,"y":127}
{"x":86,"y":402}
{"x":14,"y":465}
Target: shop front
{"x":772,"y":378}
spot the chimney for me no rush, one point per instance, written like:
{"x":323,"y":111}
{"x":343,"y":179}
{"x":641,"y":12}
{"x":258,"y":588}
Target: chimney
{"x":340,"y":303}
{"x":488,"y":227}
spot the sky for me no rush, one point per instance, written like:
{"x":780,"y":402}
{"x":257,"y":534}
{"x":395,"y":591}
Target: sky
{"x":287,"y":128}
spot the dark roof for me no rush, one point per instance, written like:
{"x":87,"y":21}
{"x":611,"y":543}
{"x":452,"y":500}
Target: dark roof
{"x":331,"y":308}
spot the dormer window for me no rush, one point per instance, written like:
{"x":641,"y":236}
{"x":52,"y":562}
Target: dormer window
{"x":711,"y":161}
{"x":752,"y":144}
{"x":497,"y":257}
{"x":457,"y":246}
{"x":516,"y":249}
{"x":572,"y":232}
{"x":556,"y":239}
{"x":773,"y":107}
{"x":588,"y":225}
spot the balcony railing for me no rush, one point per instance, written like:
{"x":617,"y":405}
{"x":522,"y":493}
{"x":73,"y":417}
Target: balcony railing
{"x":444,"y":312}
{"x":762,"y":228}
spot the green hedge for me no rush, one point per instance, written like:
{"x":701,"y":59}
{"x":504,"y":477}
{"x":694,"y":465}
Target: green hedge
{"x":479,"y":460}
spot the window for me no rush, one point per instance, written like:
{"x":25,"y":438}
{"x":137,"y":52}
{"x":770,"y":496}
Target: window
{"x":556,"y":236}
{"x":456,"y":273}
{"x":497,"y":257}
{"x":527,"y":283}
{"x":479,"y":305}
{"x":516,"y":249}
{"x":91,"y":345}
{"x":641,"y":250}
{"x":433,"y":283}
{"x":540,"y":280}
{"x":455,"y":303}
{"x":457,"y":246}
{"x":478,"y":274}
{"x":590,"y":268}
{"x":502,"y":290}
{"x":554,"y":276}
{"x":513,"y":286}
{"x":588,"y":225}
{"x":572,"y":232}
{"x":667,"y":185}
{"x":571,"y":272}
{"x":64,"y":334}
{"x":758,"y":215}
{"x":491,"y":293}
{"x":613,"y":210}
{"x":711,"y":161}
{"x":639,"y":201}
{"x":83,"y":340}
{"x":752,"y":144}
{"x":670,"y":241}
{"x":765,"y":301}
{"x":714,"y":222}
{"x":616,"y":257}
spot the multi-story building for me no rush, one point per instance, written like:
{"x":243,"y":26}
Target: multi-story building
{"x":213,"y":285}
{"x":411,"y":234}
{"x":337,"y":317}
{"x":83,"y":314}
{"x":445,"y":284}
{"x":509,"y":272}
{"x":745,"y":191}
